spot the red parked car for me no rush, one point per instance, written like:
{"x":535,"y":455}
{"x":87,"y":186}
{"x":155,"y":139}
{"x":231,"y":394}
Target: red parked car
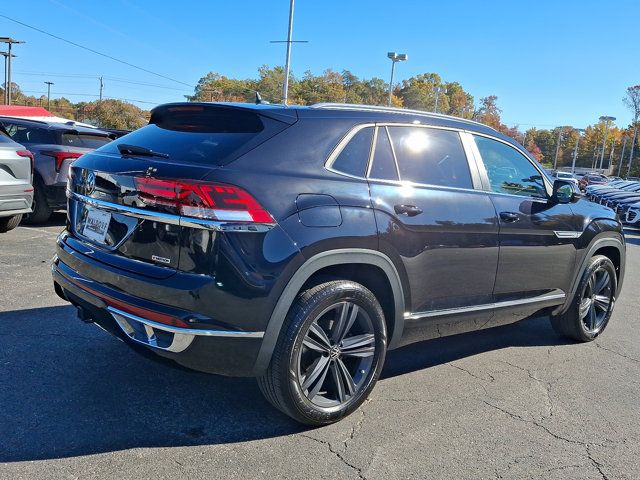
{"x":592,"y":179}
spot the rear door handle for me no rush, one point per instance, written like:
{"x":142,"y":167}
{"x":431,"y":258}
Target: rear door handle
{"x":509,"y":217}
{"x":408,"y":210}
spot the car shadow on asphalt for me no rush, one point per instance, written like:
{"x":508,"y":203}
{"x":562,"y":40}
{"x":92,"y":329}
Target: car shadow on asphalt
{"x":57,"y":219}
{"x":69,"y":389}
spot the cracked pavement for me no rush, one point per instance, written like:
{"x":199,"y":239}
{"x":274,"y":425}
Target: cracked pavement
{"x":509,"y":402}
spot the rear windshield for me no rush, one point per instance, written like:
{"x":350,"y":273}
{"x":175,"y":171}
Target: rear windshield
{"x":84,"y":140}
{"x":200,"y":135}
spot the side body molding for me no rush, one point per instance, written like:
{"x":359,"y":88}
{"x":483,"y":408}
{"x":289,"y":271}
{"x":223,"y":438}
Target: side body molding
{"x":312,"y":265}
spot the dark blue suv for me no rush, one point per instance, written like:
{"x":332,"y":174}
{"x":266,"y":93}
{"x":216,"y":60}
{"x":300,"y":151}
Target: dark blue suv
{"x":299,"y":244}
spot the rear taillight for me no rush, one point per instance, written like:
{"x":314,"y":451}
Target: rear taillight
{"x":29,"y":155}
{"x":60,"y":157}
{"x":206,"y":200}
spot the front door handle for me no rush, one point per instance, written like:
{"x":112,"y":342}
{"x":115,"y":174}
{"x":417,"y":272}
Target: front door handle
{"x":408,"y":210}
{"x":509,"y":217}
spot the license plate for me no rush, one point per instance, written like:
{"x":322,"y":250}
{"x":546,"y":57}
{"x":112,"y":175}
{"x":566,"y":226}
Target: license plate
{"x":96,"y":225}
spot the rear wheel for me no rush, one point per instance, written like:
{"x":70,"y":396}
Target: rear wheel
{"x":329,"y":354}
{"x":41,"y":210}
{"x":593,"y":303}
{"x":9,"y":223}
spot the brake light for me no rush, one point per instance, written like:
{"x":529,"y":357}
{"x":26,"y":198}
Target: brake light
{"x":29,"y":155}
{"x":206,"y":200}
{"x":60,"y":157}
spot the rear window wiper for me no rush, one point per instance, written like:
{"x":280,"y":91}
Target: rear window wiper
{"x":134,"y":150}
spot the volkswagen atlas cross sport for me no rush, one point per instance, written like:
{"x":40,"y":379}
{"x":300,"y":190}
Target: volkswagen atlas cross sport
{"x":299,"y":244}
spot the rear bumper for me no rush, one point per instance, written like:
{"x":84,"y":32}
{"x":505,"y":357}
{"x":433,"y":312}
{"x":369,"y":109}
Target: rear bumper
{"x":15,"y":199}
{"x":169,"y":334}
{"x":56,"y":196}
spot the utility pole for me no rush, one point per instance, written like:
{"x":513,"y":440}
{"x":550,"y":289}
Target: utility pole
{"x":10,"y":41}
{"x":287,"y":64}
{"x":610,"y":164}
{"x":605,"y":119}
{"x":101,"y":87}
{"x":5,"y":55}
{"x":624,"y":146}
{"x":49,"y":95}
{"x":555,"y":160}
{"x":575,"y":150}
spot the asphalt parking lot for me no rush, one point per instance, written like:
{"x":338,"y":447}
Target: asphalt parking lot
{"x":512,"y":402}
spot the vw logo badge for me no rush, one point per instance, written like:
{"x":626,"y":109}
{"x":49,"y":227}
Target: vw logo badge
{"x":89,"y":183}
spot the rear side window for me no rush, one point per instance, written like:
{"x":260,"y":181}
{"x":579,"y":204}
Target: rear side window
{"x":201,"y":134}
{"x":354,"y":156}
{"x":430,"y":156}
{"x":384,"y":164}
{"x":84,"y":140}
{"x":26,"y":134}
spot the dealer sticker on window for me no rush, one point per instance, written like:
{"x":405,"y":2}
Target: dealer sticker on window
{"x":96,"y":225}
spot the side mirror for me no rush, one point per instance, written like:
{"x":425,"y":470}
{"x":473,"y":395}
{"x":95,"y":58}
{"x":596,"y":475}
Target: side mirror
{"x":563,"y":191}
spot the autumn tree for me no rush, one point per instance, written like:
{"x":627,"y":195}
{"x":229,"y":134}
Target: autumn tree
{"x":113,"y":114}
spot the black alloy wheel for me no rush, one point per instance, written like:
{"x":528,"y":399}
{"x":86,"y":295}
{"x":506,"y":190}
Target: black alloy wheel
{"x":329,"y":354}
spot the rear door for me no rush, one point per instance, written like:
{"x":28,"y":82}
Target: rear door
{"x":431,"y":218}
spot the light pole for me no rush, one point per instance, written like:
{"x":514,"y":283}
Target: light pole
{"x":624,"y":147}
{"x":555,"y":159}
{"x":394,"y":57}
{"x":9,"y":41}
{"x":575,"y":150}
{"x":607,"y":120}
{"x":438,"y":91}
{"x":287,"y":65}
{"x":5,"y":55}
{"x":49,"y":95}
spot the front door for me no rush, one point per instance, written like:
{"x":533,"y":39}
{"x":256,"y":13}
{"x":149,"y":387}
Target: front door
{"x":537,"y":236}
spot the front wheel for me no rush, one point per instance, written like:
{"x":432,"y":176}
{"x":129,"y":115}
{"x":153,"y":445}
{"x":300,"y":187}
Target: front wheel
{"x":592,"y":305}
{"x":329,"y":354}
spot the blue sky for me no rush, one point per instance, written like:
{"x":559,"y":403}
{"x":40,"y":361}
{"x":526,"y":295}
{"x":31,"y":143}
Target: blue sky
{"x":549,"y":62}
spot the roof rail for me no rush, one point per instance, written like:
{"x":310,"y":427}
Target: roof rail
{"x":22,"y":119}
{"x":406,"y":111}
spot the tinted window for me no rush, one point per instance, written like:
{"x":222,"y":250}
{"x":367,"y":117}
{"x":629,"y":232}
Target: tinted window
{"x":354,"y":156}
{"x":509,"y":171}
{"x":84,"y":140}
{"x":26,"y":134}
{"x":384,"y":165}
{"x":200,"y":134}
{"x":430,"y":156}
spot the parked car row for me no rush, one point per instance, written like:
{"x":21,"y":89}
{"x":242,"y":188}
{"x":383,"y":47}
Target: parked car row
{"x":51,"y":147}
{"x":623,"y":196}
{"x":16,"y":189}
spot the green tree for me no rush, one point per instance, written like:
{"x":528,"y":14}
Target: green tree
{"x":114,"y":114}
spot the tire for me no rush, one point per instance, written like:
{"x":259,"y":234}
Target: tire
{"x":9,"y":223}
{"x":592,"y":306}
{"x":302,"y":351}
{"x":41,"y":210}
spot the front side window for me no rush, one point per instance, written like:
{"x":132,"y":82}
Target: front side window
{"x":430,"y":156}
{"x":508,"y":170}
{"x":354,"y":156}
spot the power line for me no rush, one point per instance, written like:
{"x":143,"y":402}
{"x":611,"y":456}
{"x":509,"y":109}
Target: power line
{"x":75,"y":94}
{"x":115,"y":79}
{"x":94,"y":51}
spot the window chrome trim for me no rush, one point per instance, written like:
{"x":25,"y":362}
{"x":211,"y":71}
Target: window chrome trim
{"x":487,"y":306}
{"x":337,"y":150}
{"x":170,"y":218}
{"x":547,"y":185}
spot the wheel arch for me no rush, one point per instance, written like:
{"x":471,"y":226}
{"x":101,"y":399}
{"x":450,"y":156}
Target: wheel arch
{"x":325,"y":262}
{"x":612,"y":247}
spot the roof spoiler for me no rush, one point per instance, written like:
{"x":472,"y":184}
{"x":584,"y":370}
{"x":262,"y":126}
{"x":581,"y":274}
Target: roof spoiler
{"x":276,"y":112}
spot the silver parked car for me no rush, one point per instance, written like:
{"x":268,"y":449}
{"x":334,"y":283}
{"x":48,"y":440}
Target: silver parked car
{"x":54,"y":146}
{"x":16,"y":189}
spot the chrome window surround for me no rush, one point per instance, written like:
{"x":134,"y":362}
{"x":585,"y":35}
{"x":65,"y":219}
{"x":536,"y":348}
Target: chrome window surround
{"x":170,"y":218}
{"x":486,"y":306}
{"x":338,"y":149}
